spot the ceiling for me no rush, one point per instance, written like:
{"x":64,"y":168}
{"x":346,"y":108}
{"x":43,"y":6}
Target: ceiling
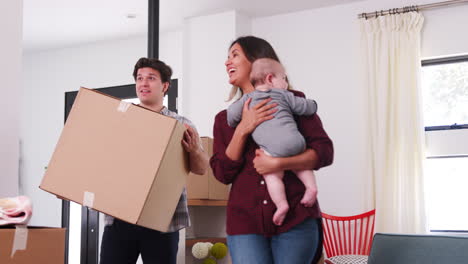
{"x":49,"y":24}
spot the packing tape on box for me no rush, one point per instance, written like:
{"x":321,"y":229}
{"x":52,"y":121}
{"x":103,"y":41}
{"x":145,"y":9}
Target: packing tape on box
{"x":21,"y":239}
{"x":88,"y":199}
{"x":123,"y":106}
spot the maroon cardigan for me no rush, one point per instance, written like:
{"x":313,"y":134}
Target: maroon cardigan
{"x":250,"y":209}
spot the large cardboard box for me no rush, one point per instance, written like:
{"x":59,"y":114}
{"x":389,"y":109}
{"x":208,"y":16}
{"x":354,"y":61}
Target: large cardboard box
{"x":120,"y":159}
{"x":39,"y":245}
{"x":206,"y":186}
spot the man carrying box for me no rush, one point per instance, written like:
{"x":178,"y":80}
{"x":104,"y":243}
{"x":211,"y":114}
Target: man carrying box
{"x":123,"y":242}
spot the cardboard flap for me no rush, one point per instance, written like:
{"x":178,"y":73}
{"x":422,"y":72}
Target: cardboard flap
{"x":168,"y":184}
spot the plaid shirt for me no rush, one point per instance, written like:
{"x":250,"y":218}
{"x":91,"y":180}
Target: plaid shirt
{"x":181,"y":218}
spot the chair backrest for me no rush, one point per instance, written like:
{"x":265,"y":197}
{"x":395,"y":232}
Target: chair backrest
{"x":348,"y":235}
{"x":418,"y":249}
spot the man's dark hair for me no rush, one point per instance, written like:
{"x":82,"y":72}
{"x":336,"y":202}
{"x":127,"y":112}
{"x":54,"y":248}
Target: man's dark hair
{"x":164,"y":70}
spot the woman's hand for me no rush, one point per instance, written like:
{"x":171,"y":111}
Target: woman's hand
{"x":253,"y":116}
{"x":265,"y":164}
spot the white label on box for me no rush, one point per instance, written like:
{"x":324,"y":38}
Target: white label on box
{"x":88,"y":199}
{"x":20,"y":240}
{"x":123,"y":106}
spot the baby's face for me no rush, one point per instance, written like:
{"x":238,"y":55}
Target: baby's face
{"x":279,"y":81}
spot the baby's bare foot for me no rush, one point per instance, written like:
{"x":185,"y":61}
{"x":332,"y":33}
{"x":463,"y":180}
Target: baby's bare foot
{"x":309,"y":198}
{"x":280,"y":214}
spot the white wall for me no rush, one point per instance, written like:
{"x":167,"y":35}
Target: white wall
{"x":320,"y":50}
{"x":11,"y":26}
{"x":206,"y":87}
{"x":443,"y":34}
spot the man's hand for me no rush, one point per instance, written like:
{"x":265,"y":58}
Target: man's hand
{"x":191,"y":140}
{"x":197,"y":157}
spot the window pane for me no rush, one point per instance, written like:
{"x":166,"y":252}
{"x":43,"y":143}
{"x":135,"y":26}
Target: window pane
{"x":447,"y":193}
{"x":445,"y":94}
{"x":74,"y":239}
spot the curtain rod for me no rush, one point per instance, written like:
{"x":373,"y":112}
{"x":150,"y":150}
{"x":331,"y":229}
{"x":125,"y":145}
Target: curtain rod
{"x":406,"y":9}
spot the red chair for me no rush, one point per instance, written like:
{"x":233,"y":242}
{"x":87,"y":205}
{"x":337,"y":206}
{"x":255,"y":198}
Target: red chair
{"x":348,"y":239}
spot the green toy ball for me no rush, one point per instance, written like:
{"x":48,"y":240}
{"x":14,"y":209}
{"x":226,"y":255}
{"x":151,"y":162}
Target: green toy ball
{"x":209,"y":261}
{"x":219,"y":250}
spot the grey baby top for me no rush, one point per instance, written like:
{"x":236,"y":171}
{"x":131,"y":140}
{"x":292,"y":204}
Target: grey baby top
{"x":278,"y":136}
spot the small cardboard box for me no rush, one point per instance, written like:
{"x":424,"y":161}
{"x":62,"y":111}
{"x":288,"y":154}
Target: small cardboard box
{"x":120,"y":159}
{"x":206,"y":186}
{"x":32,"y":245}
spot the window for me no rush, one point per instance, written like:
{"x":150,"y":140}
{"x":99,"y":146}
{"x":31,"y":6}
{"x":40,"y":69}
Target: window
{"x":448,"y":197}
{"x":445,"y":110}
{"x":445,"y":93}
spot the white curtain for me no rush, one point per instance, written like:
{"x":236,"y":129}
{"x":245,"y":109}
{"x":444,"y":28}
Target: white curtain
{"x":391,"y":62}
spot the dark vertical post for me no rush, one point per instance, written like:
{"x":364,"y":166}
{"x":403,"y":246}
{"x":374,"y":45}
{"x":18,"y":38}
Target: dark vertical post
{"x":153,"y":29}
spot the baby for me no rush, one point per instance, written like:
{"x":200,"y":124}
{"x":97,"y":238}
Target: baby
{"x":278,"y":137}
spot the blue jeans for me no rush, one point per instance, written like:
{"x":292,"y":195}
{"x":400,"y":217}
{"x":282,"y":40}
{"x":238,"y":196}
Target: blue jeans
{"x":296,"y":246}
